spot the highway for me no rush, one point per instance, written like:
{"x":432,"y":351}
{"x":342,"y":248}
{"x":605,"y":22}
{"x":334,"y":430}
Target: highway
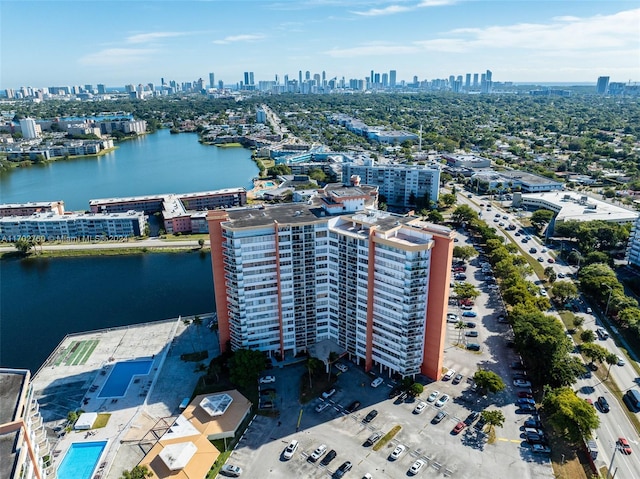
{"x":615,"y":423}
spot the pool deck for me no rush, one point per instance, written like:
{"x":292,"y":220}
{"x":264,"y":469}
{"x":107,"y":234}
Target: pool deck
{"x":64,"y":384}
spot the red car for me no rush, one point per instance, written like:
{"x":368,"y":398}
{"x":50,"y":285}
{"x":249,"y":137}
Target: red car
{"x":550,"y":260}
{"x":467,"y":302}
{"x":624,"y":446}
{"x":525,"y":395}
{"x":459,"y":427}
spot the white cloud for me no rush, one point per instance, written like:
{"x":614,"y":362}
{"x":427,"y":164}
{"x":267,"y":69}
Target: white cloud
{"x":153,"y":36}
{"x":113,"y":57}
{"x":393,"y":9}
{"x":372,"y":50}
{"x":239,"y":38}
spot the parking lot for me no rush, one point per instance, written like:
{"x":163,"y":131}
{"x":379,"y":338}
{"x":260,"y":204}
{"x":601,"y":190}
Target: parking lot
{"x":463,"y":455}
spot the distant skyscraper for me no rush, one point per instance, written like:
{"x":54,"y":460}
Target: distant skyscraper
{"x":307,"y":75}
{"x":212,"y":82}
{"x":489,"y":75}
{"x":392,"y":78}
{"x":220,"y":85}
{"x":385,"y":80}
{"x":251,"y":80}
{"x":475,"y":80}
{"x":246,"y":78}
{"x":101,"y":89}
{"x":28,"y":127}
{"x":452,"y":80}
{"x":602,"y":86}
{"x":467,"y":82}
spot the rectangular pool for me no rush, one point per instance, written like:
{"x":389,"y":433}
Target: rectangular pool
{"x":81,"y":460}
{"x":121,"y":376}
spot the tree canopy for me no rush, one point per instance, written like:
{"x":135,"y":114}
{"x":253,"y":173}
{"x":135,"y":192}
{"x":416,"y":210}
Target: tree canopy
{"x":488,"y":381}
{"x":571,"y":416}
{"x":245,"y":367}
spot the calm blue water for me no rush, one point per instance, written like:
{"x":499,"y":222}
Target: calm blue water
{"x":121,"y":376}
{"x":151,"y":164}
{"x":80,"y":460}
{"x":41,"y":300}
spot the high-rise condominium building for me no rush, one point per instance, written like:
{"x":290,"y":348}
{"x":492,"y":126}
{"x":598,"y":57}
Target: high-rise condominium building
{"x":602,"y":86}
{"x":373,"y":283}
{"x":24,"y":447}
{"x":400,"y":184}
{"x":28,"y":128}
{"x":212,"y":82}
{"x":392,"y":78}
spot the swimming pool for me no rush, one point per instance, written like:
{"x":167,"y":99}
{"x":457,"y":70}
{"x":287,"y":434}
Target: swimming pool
{"x":121,"y":376}
{"x":269,"y":184}
{"x":81,"y":460}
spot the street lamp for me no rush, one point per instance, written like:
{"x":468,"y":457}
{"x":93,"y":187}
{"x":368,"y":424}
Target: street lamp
{"x":609,"y":299}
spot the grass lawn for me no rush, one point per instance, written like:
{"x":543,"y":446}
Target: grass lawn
{"x":386,"y":438}
{"x":101,"y":421}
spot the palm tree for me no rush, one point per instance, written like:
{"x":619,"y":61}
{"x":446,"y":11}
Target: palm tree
{"x":460,"y":326}
{"x":610,"y":359}
{"x":333,"y":357}
{"x":313,"y":364}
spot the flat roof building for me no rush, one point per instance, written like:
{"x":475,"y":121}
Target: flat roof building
{"x":23,"y":441}
{"x":399,"y":184}
{"x":27,"y":209}
{"x":513,"y":180}
{"x":375,"y":283}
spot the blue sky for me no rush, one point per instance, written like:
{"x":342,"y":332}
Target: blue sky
{"x":54,"y":43}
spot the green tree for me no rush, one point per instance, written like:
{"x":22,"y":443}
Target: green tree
{"x":435,"y":216}
{"x":565,"y":370}
{"x":463,"y":214}
{"x":313,"y":365}
{"x":447,"y":200}
{"x":460,"y":326}
{"x":488,"y":381}
{"x":539,"y":218}
{"x":201,"y":243}
{"x":494,"y":418}
{"x":416,"y":389}
{"x":23,"y":245}
{"x":245,"y":367}
{"x":610,"y":359}
{"x":550,"y":273}
{"x":138,"y":472}
{"x":594,"y":352}
{"x":587,"y":336}
{"x":629,"y":316}
{"x":464,"y":253}
{"x":465,"y":291}
{"x":570,"y":415}
{"x":564,"y":291}
{"x":278,"y":170}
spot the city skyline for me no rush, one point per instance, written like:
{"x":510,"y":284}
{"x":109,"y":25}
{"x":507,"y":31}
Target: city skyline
{"x":519,"y":41}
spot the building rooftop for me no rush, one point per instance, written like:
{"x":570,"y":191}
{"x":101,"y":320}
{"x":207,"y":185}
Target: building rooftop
{"x":266,"y":215}
{"x":515,"y":175}
{"x":163,"y":197}
{"x":578,"y":207}
{"x":54,"y":217}
{"x":12,"y":383}
{"x":31,"y":204}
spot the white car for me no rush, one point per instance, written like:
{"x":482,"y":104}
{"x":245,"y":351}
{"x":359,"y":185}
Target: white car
{"x":329,"y":393}
{"x":433,"y":396}
{"x":419,"y":407}
{"x":290,"y":450}
{"x":442,"y":401}
{"x":320,"y":450}
{"x":397,"y":452}
{"x":452,"y":318}
{"x":416,"y":467}
{"x":543,"y":292}
{"x":341,"y":367}
{"x":376,"y":382}
{"x":620,"y":361}
{"x":449,"y":374}
{"x":322,"y":406}
{"x":521,"y":383}
{"x":267,"y":379}
{"x":231,"y":470}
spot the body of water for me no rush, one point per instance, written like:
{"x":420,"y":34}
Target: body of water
{"x":43,"y":299}
{"x":151,"y":164}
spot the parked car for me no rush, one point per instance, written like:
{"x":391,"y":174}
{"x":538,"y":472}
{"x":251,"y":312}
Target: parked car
{"x":473,"y":347}
{"x":603,"y":404}
{"x":439,"y":417}
{"x":376,"y":382}
{"x":452,"y":318}
{"x":373,"y":438}
{"x":290,"y":449}
{"x":267,"y":379}
{"x":535,"y":439}
{"x":317,"y":454}
{"x":623,"y":445}
{"x":602,"y":333}
{"x":471,"y":334}
{"x":329,"y":393}
{"x":533,"y":422}
{"x":231,"y":471}
{"x":353,"y":406}
{"x":329,"y":457}
{"x":525,"y":401}
{"x":419,"y":407}
{"x":620,"y":361}
{"x":526,"y":409}
{"x":343,"y":469}
{"x":449,"y":374}
{"x":397,"y":452}
{"x":470,"y":324}
{"x":525,"y":394}
{"x":341,"y":367}
{"x":371,"y":416}
{"x":521,"y":383}
{"x":479,"y":426}
{"x":458,"y":377}
{"x":471,"y":418}
{"x":540,"y":449}
{"x":466,"y":307}
{"x":267,"y":391}
{"x":416,"y":467}
{"x":433,"y":396}
{"x":442,"y":401}
{"x":551,"y":260}
{"x":469,"y":314}
{"x":458,"y":427}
